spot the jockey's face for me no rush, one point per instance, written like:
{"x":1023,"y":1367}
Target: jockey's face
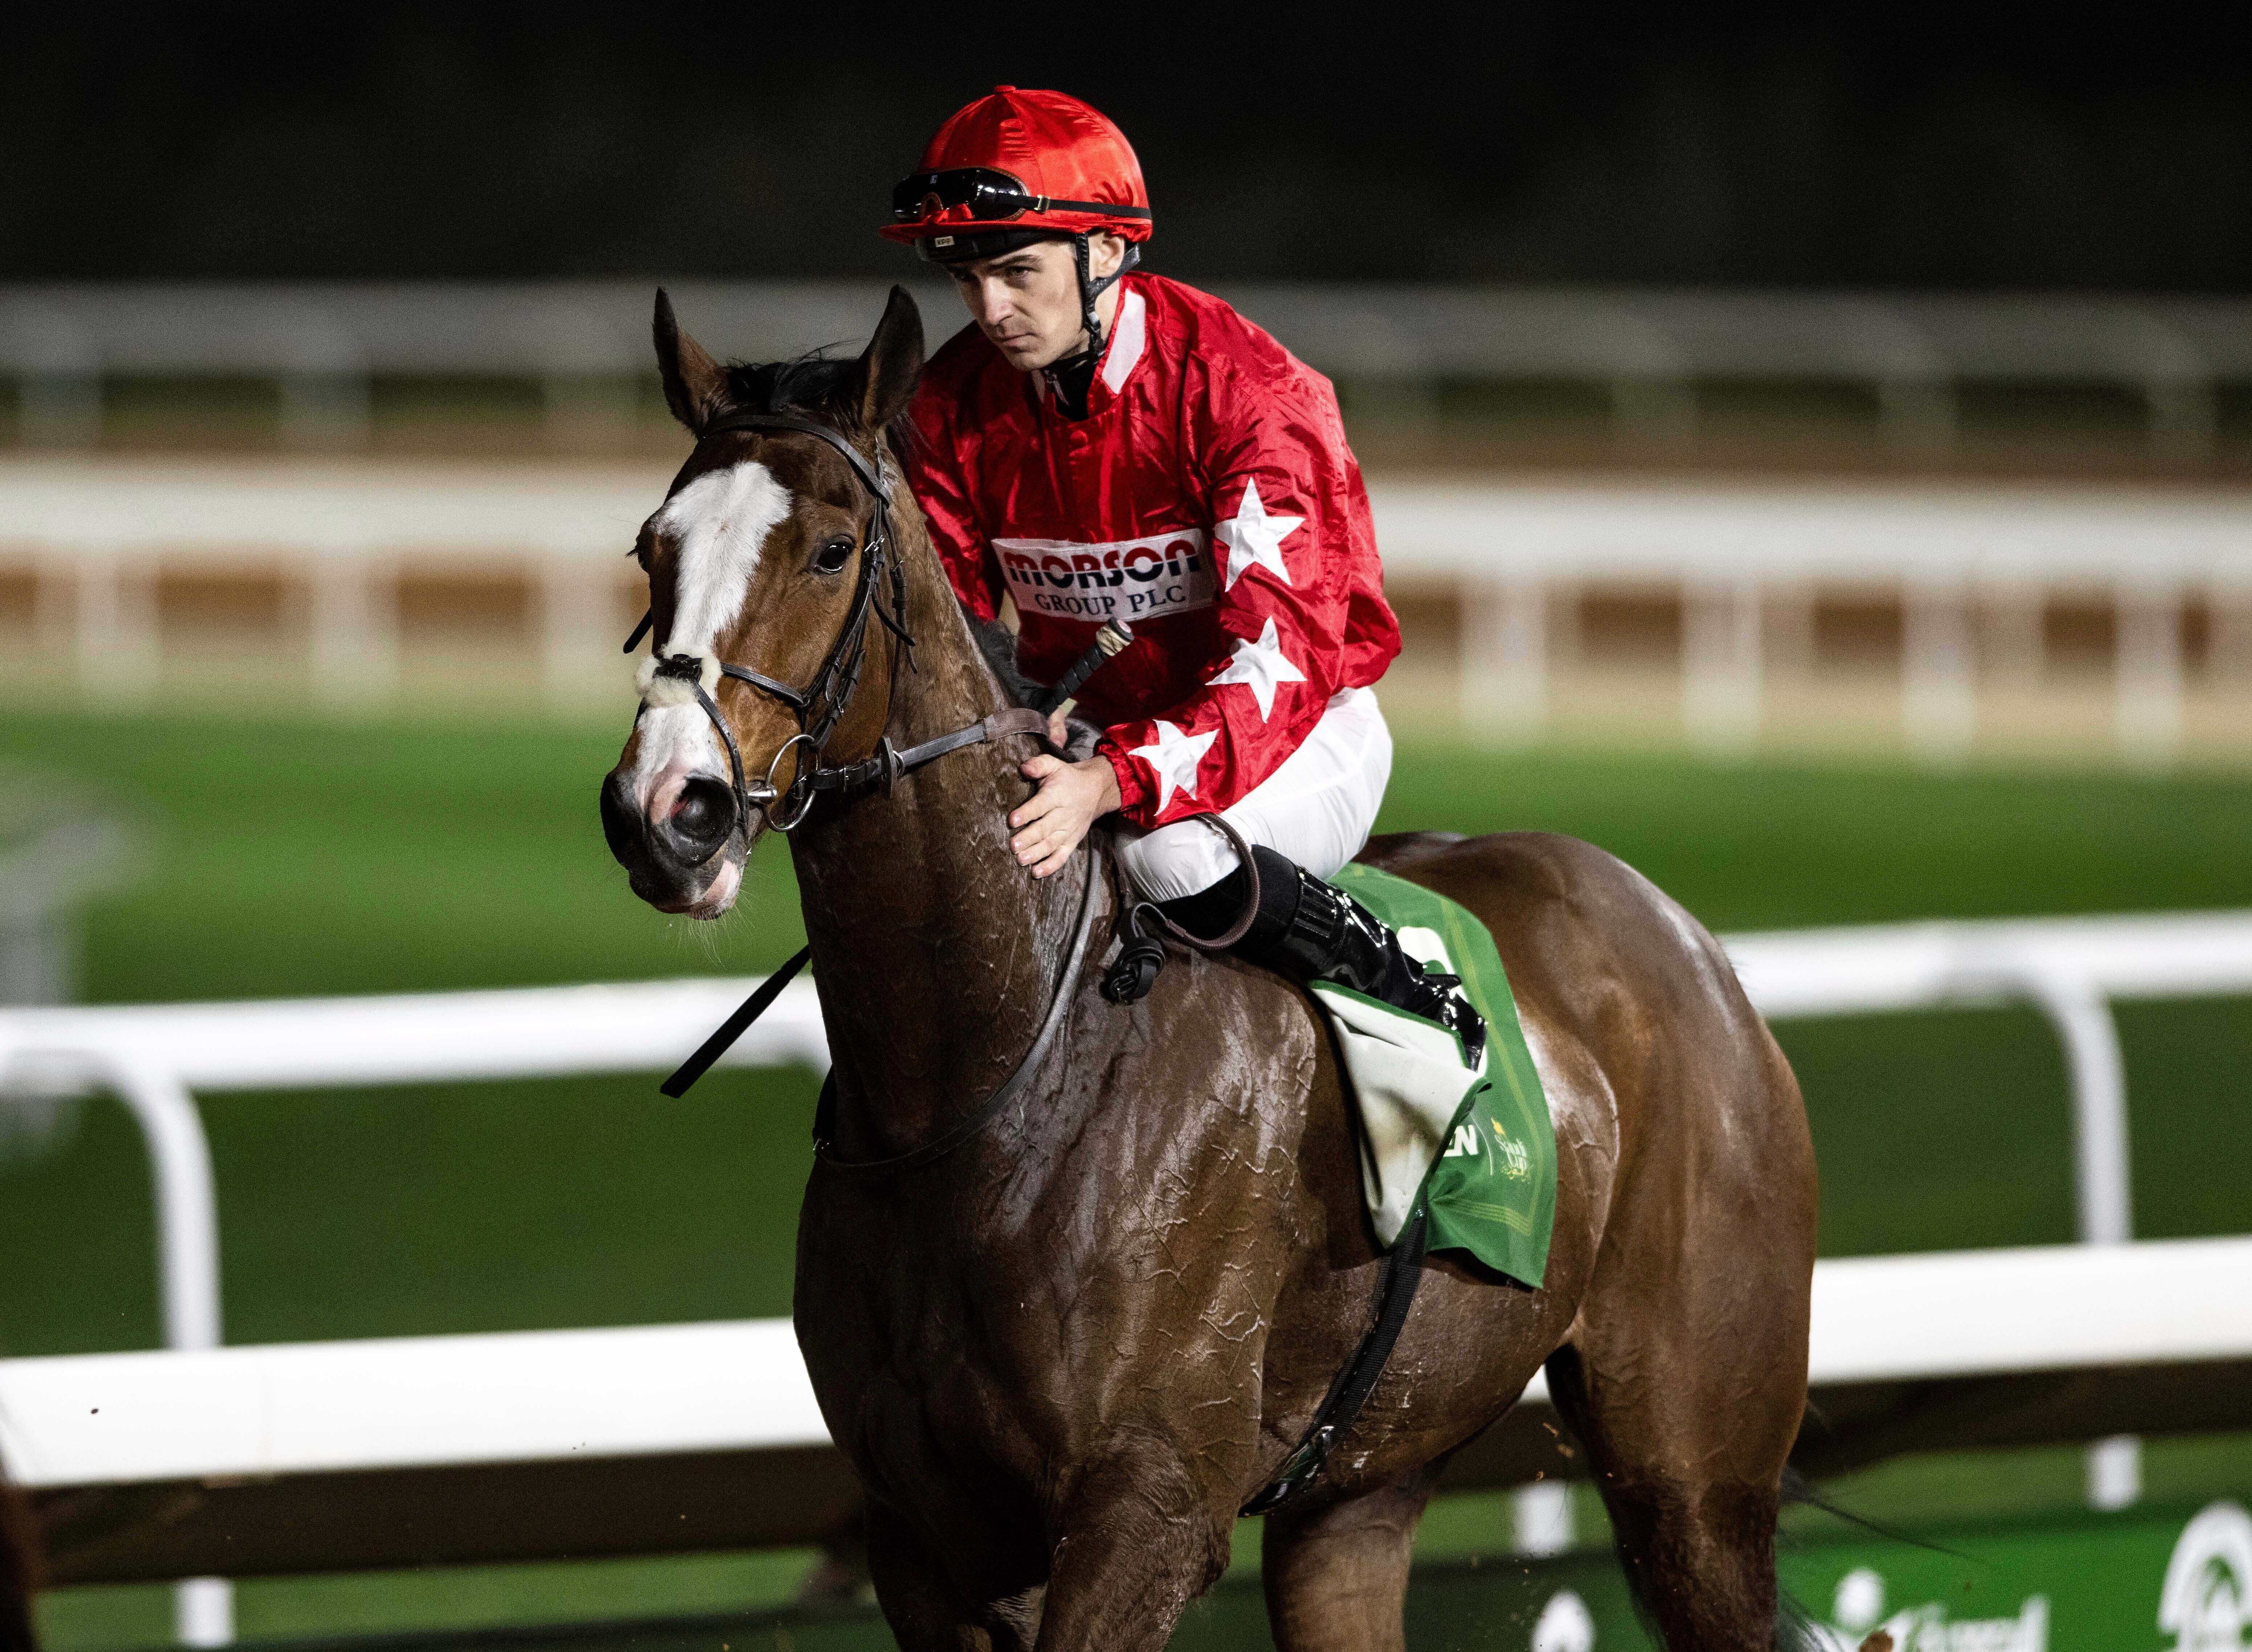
{"x":1027,"y":301}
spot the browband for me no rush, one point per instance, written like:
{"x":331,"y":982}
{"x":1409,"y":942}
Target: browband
{"x":871,"y":477}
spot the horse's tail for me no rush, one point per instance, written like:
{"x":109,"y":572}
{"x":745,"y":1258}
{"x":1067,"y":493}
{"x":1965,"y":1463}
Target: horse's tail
{"x":18,"y":1572}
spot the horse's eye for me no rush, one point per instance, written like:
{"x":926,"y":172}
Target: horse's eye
{"x":833,"y":555}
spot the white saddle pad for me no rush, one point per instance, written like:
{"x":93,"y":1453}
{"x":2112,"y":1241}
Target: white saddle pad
{"x":1410,"y":1082}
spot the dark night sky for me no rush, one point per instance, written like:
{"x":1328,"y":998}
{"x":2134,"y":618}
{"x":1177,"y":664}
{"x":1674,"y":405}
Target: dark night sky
{"x":1997,"y":146}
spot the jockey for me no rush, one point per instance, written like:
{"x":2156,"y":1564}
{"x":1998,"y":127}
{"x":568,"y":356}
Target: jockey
{"x":1103,"y":443}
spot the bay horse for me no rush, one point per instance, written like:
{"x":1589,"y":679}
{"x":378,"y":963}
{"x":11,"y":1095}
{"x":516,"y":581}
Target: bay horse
{"x":1064,"y":1340}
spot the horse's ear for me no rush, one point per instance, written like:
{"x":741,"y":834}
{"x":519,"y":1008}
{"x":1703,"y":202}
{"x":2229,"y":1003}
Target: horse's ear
{"x":890,"y":366}
{"x":695,"y":385}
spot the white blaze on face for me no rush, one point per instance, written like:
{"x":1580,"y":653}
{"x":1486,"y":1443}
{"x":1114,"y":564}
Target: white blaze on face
{"x":718,"y":522}
{"x":717,"y":525}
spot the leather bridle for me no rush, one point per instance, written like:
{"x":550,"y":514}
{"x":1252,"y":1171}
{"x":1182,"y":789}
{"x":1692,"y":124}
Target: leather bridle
{"x":819,"y":706}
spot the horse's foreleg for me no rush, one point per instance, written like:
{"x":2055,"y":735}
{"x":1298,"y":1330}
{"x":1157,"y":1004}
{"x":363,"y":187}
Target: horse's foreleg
{"x":1137,"y":1545}
{"x":926,"y":1612}
{"x":1336,"y":1578}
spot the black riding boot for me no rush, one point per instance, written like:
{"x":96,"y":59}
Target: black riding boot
{"x":1313,"y":931}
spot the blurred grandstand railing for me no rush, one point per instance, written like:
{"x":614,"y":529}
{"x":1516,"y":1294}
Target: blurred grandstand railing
{"x":1743,"y":585}
{"x":586,"y":345}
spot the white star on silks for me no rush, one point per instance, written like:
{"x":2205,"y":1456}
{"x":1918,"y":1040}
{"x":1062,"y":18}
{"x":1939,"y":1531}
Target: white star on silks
{"x":1261,"y":668}
{"x":1253,"y":539}
{"x":1173,"y":759}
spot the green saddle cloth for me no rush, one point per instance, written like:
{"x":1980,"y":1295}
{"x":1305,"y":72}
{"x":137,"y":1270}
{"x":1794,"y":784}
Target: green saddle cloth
{"x":1474,"y":1146}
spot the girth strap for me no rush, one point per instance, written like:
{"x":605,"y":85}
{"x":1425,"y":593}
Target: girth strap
{"x":1403,"y":1272}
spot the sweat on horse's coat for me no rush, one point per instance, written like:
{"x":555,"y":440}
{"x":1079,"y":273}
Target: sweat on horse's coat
{"x":1060,"y":1358}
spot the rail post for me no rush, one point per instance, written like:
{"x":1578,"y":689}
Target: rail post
{"x":187,"y":1262}
{"x":2103,"y":1186}
{"x":1503,"y":657}
{"x":1939,"y":681}
{"x":1723,"y":662}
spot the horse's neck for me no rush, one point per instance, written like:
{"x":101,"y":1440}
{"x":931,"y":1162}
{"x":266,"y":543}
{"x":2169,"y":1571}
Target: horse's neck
{"x":934,"y":950}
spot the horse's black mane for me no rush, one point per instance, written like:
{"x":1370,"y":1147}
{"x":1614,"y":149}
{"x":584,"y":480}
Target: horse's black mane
{"x":811,"y":383}
{"x":998,"y":644}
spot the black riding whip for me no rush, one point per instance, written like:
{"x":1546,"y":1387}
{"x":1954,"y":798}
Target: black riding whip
{"x":1113,"y":636}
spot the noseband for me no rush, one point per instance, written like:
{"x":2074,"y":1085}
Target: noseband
{"x":820,"y":704}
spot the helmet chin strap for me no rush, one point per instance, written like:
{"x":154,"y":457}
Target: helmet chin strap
{"x":1090,"y":290}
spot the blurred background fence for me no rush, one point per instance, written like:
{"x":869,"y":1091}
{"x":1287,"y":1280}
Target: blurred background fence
{"x":1748,"y":401}
{"x":1647,"y":354}
{"x":1584,"y":528}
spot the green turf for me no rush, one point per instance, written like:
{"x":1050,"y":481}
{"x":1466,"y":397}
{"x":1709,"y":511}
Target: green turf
{"x":306,"y":858}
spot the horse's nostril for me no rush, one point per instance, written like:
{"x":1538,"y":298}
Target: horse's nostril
{"x":702,"y":818}
{"x":621,"y":830}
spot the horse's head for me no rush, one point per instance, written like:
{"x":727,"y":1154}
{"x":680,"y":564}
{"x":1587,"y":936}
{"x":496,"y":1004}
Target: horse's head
{"x":768,"y":558}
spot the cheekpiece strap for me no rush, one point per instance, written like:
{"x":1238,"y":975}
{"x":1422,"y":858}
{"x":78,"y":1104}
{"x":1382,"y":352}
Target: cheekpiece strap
{"x":798,"y":699}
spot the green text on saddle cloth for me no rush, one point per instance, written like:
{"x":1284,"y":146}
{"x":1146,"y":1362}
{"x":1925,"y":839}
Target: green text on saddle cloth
{"x":1477,"y":1144}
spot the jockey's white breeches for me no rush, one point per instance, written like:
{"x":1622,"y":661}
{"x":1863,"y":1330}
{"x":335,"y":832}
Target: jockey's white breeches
{"x":1316,"y":808}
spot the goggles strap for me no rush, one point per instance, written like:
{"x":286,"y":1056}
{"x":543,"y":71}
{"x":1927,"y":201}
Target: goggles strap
{"x":959,"y":186}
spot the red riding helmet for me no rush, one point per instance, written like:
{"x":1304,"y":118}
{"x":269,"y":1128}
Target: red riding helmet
{"x":1015,"y":165}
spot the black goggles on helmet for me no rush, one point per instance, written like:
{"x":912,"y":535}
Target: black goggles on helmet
{"x":991,"y":197}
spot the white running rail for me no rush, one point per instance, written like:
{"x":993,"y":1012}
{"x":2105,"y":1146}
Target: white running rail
{"x":154,"y":1058}
{"x":409,"y":1402}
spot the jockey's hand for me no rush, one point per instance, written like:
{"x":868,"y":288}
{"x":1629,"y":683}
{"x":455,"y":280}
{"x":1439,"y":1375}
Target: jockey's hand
{"x":1073,"y":796}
